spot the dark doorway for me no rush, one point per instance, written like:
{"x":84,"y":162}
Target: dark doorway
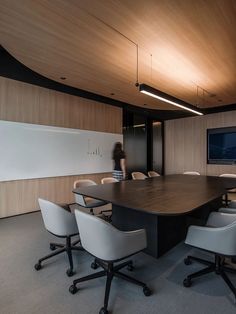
{"x":143,"y":143}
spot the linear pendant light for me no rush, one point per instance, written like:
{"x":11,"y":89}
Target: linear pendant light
{"x":153,"y":92}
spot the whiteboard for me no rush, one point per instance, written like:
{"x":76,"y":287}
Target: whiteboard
{"x":30,"y":151}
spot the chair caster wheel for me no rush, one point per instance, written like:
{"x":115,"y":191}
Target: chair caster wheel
{"x":94,"y":265}
{"x":52,"y":247}
{"x":103,"y":311}
{"x":146,"y":291}
{"x":130,"y":267}
{"x":73,"y":289}
{"x":38,"y":266}
{"x":187,"y":282}
{"x":187,"y":261}
{"x":70,"y":272}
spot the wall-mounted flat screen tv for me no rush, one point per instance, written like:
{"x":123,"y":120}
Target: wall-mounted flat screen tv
{"x":221,"y":146}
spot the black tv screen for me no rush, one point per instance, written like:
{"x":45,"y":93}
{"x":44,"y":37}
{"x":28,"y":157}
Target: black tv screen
{"x":221,"y":146}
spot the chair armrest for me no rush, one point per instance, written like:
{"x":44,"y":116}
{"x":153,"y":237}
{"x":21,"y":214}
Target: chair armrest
{"x":136,"y":238}
{"x":130,"y":242}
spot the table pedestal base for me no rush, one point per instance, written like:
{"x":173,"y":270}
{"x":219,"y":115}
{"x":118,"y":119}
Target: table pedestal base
{"x":163,"y":232}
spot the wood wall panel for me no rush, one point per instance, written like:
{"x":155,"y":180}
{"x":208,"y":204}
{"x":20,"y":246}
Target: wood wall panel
{"x":17,"y":197}
{"x":186,"y":143}
{"x":27,"y":103}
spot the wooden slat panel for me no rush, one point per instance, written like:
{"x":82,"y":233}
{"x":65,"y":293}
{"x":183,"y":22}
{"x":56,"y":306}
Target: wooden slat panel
{"x":31,"y":104}
{"x":191,"y":42}
{"x":17,"y":197}
{"x":27,"y":103}
{"x":186,"y":143}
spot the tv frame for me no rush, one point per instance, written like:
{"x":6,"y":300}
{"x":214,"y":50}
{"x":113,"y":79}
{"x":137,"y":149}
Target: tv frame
{"x":231,"y":129}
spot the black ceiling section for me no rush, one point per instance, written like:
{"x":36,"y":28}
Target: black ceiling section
{"x":13,"y":69}
{"x":221,"y":109}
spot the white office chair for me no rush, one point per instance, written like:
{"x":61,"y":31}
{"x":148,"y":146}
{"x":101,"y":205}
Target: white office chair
{"x":194,"y":173}
{"x":225,"y":199}
{"x":108,"y":180}
{"x":108,"y":245}
{"x":228,"y":175}
{"x":61,"y":223}
{"x":87,"y":202}
{"x":217,"y":237}
{"x":138,"y":176}
{"x":152,"y":174}
{"x":228,"y":210}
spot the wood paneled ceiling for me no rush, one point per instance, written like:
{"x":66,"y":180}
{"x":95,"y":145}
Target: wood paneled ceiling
{"x":182,"y":44}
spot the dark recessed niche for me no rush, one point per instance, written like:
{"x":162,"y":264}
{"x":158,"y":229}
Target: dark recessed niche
{"x":63,"y":78}
{"x":112,"y":94}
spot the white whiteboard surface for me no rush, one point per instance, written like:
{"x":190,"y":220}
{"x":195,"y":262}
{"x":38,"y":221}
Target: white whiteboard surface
{"x":30,"y":151}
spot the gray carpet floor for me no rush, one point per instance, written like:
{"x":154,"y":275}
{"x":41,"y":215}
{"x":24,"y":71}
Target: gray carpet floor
{"x":24,"y":290}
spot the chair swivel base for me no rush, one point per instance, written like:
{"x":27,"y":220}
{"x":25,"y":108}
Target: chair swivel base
{"x":218,"y":267}
{"x":59,"y":248}
{"x":108,"y":217}
{"x":110,"y":271}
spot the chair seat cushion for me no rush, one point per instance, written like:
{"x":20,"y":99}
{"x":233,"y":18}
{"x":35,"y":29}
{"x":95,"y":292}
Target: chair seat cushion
{"x":92,"y":202}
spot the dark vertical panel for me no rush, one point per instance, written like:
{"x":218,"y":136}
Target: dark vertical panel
{"x":135,"y":142}
{"x":157,"y":144}
{"x":149,"y":144}
{"x":143,"y":143}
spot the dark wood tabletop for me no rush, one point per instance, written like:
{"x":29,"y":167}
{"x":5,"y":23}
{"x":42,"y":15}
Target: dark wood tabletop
{"x":164,"y":195}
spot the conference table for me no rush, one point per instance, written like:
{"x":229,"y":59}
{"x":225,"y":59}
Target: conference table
{"x":165,"y":206}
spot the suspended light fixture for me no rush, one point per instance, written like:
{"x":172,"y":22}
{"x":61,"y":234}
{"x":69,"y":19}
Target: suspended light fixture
{"x":153,"y":92}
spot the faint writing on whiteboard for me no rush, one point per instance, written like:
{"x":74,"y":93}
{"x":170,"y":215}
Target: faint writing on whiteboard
{"x":93,"y":150}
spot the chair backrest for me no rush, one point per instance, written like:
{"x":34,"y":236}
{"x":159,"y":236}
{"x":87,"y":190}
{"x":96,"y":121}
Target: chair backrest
{"x":194,"y":173}
{"x":57,"y":220}
{"x":83,"y":182}
{"x":228,"y":175}
{"x":79,"y":199}
{"x":226,"y":232}
{"x":138,"y":176}
{"x":153,"y":174}
{"x":229,"y":246}
{"x":213,"y":238}
{"x":221,"y":218}
{"x":108,"y":180}
{"x":98,"y":237}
